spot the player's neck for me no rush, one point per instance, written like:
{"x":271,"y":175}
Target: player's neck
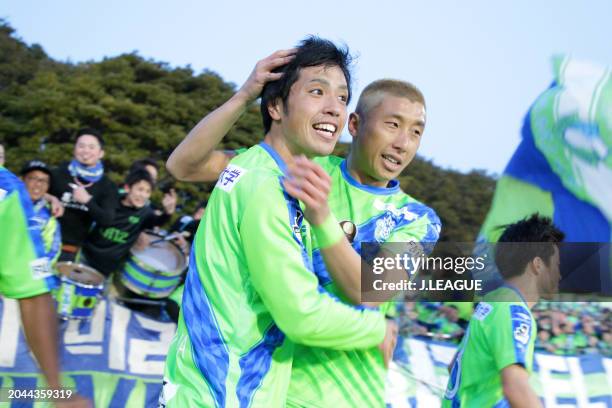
{"x":279,"y":143}
{"x":361,"y":176}
{"x":526,"y":288}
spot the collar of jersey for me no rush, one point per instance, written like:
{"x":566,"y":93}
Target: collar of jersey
{"x":392,"y":188}
{"x":518,"y":292}
{"x":275,"y":156}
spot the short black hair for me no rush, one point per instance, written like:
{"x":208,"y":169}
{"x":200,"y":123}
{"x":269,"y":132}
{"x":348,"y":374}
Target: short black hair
{"x":539,"y":236}
{"x":311,"y":52}
{"x":142,"y":163}
{"x":90,"y":131}
{"x":139,"y":175}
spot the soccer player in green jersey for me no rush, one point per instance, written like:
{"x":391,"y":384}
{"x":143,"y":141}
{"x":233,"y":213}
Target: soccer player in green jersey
{"x":365,"y":196}
{"x":25,"y":275}
{"x":495,"y":357}
{"x":250,"y":293}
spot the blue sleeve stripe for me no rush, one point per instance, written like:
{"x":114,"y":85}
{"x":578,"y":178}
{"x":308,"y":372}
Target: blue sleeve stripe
{"x":256,"y":363}
{"x":209,"y":351}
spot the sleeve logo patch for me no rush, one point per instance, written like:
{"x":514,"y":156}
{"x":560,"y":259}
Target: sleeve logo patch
{"x":521,"y":325}
{"x":482,"y":310}
{"x":229,"y":177}
{"x":41,"y":268}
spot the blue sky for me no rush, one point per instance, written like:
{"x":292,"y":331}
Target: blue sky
{"x":479,"y":63}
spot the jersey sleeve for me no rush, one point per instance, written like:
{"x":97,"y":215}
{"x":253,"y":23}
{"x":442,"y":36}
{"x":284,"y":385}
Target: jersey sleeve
{"x":281,"y":273}
{"x":425,"y":228}
{"x":510,"y":336}
{"x":24,"y":269}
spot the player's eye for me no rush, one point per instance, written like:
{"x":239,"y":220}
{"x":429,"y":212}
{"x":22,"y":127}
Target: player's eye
{"x":316,"y":91}
{"x":343,"y":98}
{"x":392,"y":124}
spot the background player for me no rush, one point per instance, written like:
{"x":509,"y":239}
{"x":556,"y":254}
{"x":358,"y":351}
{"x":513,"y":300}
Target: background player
{"x":495,"y":357}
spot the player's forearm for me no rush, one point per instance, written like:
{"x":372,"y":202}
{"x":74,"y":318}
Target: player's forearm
{"x":344,"y":267}
{"x":521,"y":395}
{"x":40,"y":328}
{"x":192,"y":159}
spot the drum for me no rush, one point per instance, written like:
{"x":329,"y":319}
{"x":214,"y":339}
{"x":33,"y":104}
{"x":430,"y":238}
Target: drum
{"x":155,"y":271}
{"x":80,"y":289}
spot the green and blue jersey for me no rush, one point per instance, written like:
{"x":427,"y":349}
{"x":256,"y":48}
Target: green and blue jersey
{"x":322,"y":377}
{"x":501,"y":332}
{"x":24,"y":267}
{"x":251,"y":295}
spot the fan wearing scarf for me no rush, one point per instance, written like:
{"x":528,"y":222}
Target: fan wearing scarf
{"x":87,"y":194}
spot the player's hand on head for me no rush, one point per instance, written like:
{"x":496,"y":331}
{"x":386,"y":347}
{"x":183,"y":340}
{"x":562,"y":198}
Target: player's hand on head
{"x":307,"y":182}
{"x":388,"y":345}
{"x":263,"y":72}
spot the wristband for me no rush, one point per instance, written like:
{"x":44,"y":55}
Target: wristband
{"x":328,"y":232}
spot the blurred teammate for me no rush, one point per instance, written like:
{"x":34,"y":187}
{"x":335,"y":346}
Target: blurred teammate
{"x":387,"y":128}
{"x":250,"y":293}
{"x":25,"y":275}
{"x":495,"y":357}
{"x":37,"y":178}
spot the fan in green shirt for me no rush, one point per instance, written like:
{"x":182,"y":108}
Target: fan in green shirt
{"x":493,"y":361}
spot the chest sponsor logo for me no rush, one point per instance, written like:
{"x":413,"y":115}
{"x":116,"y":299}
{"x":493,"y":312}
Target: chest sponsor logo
{"x":230,"y":177}
{"x":397,"y":212}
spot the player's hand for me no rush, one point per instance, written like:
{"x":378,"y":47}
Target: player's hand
{"x":57,"y":209}
{"x":388,"y":345}
{"x":81,"y":195}
{"x":169,"y":202}
{"x":262,"y":73}
{"x":307,"y":182}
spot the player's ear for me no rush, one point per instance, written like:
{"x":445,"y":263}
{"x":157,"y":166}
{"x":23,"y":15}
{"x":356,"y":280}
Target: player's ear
{"x":538,"y":264}
{"x":274,"y":109}
{"x":353,"y":124}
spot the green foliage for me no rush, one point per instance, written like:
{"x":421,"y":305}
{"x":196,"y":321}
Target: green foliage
{"x":144,"y":109}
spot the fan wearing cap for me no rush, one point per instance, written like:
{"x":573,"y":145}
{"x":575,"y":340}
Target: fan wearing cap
{"x":37,"y":178}
{"x":86,"y":192}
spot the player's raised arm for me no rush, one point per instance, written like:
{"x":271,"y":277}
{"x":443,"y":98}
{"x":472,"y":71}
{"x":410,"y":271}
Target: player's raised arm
{"x":195,"y":159}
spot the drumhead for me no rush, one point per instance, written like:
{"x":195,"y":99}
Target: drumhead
{"x":80,"y":273}
{"x":162,"y":256}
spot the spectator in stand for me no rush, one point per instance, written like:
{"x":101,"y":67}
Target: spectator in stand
{"x":85,"y":191}
{"x":37,"y":178}
{"x":108,"y":245}
{"x":149,"y":165}
{"x":189,"y":223}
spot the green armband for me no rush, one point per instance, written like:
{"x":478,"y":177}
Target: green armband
{"x":328,"y":232}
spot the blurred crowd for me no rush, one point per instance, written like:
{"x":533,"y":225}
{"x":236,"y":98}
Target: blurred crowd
{"x":564,"y":328}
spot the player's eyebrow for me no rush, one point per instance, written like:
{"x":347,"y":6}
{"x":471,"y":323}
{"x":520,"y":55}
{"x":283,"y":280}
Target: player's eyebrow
{"x":403,"y":119}
{"x":325,"y":82}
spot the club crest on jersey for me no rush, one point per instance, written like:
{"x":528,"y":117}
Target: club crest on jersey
{"x":229,"y":177}
{"x":384,"y":226}
{"x":349,"y":229}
